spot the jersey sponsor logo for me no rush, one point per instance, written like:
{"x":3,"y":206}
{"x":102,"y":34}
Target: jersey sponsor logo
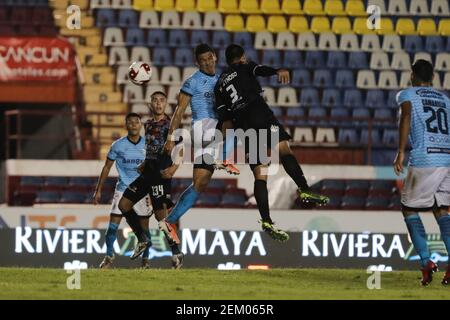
{"x":438,"y":150}
{"x":131,"y":161}
{"x":208,"y":94}
{"x":428,"y":93}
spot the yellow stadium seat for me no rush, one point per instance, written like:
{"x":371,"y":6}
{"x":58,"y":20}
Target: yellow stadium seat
{"x":291,"y":7}
{"x":206,"y":5}
{"x":270,"y":6}
{"x":164,"y":5}
{"x":341,"y":25}
{"x":320,"y":24}
{"x":444,"y":27}
{"x":355,"y":8}
{"x":234,"y":23}
{"x":185,"y":5}
{"x":386,"y":26}
{"x":360,"y":26}
{"x":313,"y":7}
{"x":277,"y":24}
{"x":426,"y":27}
{"x":334,"y":8}
{"x":249,"y":7}
{"x":228,"y":6}
{"x":405,"y":26}
{"x":255,"y":23}
{"x":142,"y":5}
{"x":298,"y":24}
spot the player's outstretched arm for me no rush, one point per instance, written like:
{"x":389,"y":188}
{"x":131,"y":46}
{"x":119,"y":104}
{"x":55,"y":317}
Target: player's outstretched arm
{"x":266,"y":71}
{"x":404,"y":127}
{"x":101,"y":180}
{"x":183,"y":102}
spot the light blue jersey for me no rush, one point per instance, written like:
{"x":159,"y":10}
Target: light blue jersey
{"x":200,"y":86}
{"x":128,"y":156}
{"x":430,"y":123}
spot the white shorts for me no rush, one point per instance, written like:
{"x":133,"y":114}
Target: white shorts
{"x":143,"y":208}
{"x":203,"y":133}
{"x":425,"y":186}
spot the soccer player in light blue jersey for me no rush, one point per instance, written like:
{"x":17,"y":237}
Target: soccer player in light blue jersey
{"x":425,"y":118}
{"x":128,"y":153}
{"x":198,"y":91}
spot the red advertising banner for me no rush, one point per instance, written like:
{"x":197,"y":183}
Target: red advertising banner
{"x":36,"y":59}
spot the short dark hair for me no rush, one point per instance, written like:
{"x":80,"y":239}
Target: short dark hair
{"x":233,"y":52}
{"x":201,"y":49}
{"x":132,"y":115}
{"x":423,"y":70}
{"x":158,"y":92}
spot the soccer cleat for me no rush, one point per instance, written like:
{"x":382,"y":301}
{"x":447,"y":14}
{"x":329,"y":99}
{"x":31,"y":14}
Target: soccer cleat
{"x":107,"y":262}
{"x":310,"y":197}
{"x":427,"y":273}
{"x":228,"y":167}
{"x":446,"y":279}
{"x":274,"y":233}
{"x":140,"y":248}
{"x":170,"y":231}
{"x":177,"y":260}
{"x":145,"y":263}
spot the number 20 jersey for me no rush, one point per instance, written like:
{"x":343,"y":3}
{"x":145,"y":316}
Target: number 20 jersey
{"x":430,"y":123}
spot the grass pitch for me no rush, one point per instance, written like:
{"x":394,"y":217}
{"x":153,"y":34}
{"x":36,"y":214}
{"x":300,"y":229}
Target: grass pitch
{"x":21,"y":283}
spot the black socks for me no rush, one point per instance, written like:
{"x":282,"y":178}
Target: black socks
{"x":294,"y":170}
{"x":133,"y":221}
{"x":262,"y":199}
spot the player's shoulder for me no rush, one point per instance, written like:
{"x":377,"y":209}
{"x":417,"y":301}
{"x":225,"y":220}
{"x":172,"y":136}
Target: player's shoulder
{"x":405,"y":95}
{"x":119,"y":142}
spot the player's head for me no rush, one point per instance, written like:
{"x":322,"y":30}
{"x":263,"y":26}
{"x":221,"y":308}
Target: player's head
{"x":235,"y":54}
{"x":206,"y":58}
{"x":422,"y":73}
{"x":158,"y":103}
{"x":133,"y":124}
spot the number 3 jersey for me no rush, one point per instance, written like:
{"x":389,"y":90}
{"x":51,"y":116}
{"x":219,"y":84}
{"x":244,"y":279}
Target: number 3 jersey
{"x":430,"y":122}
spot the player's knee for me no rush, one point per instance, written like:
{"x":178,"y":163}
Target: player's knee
{"x":200,"y":184}
{"x":284,"y":148}
{"x":440,"y":212}
{"x":407,"y":212}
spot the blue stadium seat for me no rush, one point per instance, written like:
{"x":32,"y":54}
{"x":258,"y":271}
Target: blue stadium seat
{"x":73,"y":197}
{"x":383,"y":157}
{"x":82,"y":181}
{"x":295,"y":112}
{"x":391,"y":100}
{"x":199,"y":36}
{"x":333,"y":187}
{"x":434,"y":44}
{"x":390,"y":138}
{"x":208,"y":200}
{"x":413,"y":44}
{"x":375,"y":136}
{"x":358,"y":60}
{"x":353,"y":203}
{"x":344,"y":79}
{"x":377,"y":203}
{"x":338,"y":116}
{"x":32,"y":181}
{"x":221,"y":39}
{"x":382,"y":114}
{"x":47,"y":197}
{"x":135,"y":37}
{"x":360,"y":113}
{"x":178,"y":39}
{"x":334,"y":204}
{"x":362,"y":185}
{"x":252,"y":55}
{"x":375,"y":99}
{"x":217,"y":184}
{"x":128,"y":18}
{"x":337,"y":60}
{"x":301,"y":78}
{"x":314,"y":59}
{"x":322,"y":78}
{"x":105,"y":18}
{"x":353,"y":98}
{"x":56,"y":181}
{"x":348,"y":137}
{"x":272,"y":58}
{"x":447,"y":47}
{"x":277,"y":111}
{"x":243,"y":39}
{"x":317,"y":112}
{"x":233,"y":201}
{"x":156,"y":38}
{"x":162,"y":56}
{"x":309,"y":97}
{"x":378,"y":187}
{"x":331,"y":98}
{"x":292,"y":59}
{"x":184,"y":57}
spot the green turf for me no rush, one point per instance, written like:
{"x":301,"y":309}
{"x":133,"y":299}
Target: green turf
{"x":212,"y":284}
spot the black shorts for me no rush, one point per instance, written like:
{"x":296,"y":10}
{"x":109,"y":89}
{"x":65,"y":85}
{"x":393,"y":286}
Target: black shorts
{"x":151,"y":182}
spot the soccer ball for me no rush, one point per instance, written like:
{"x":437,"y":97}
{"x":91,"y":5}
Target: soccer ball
{"x":140,"y":73}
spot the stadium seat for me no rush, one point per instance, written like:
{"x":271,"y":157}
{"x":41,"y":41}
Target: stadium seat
{"x":434,"y":44}
{"x":135,"y":37}
{"x":141,"y":5}
{"x":313,"y":7}
{"x":360,"y":117}
{"x":427,"y":27}
{"x":446,"y":82}
{"x":440,"y":8}
{"x":391,"y":101}
{"x":344,"y":79}
{"x":334,"y":8}
{"x":277,"y":111}
{"x":405,"y":79}
{"x":306,"y":41}
{"x":444,"y":27}
{"x":386,"y":27}
{"x":118,"y":55}
{"x":185,"y":5}
{"x":73,"y":197}
{"x":233,"y":201}
{"x":375,"y":99}
{"x":271,"y":58}
{"x":170,"y":20}
{"x":392,"y":43}
{"x":269,"y":95}
{"x":277,"y":24}
{"x":113,"y":36}
{"x":162,"y":56}
{"x":133,"y":94}
{"x":156,"y":38}
{"x":358,"y":60}
{"x":379,"y":61}
{"x":322,"y":78}
{"x":58,"y":182}
{"x":442,"y":61}
{"x":348,"y":137}
{"x":337,"y":60}
{"x":208,"y":200}
{"x":164,"y":5}
{"x":214,"y":21}
{"x":370,"y":42}
{"x":390,"y":138}
{"x":381,"y":116}
{"x":377,"y":203}
{"x":191,"y":20}
{"x":360,"y":26}
{"x":221,"y":39}
{"x":327,"y":41}
{"x":357,"y":188}
{"x":331,"y":98}
{"x":388,"y":80}
{"x":397,"y":8}
{"x":178,"y":38}
{"x":47,"y":197}
{"x":271,"y":7}
{"x":285,"y":41}
{"x":401,"y":61}
{"x":206,"y":5}
{"x":234,"y":23}
{"x":423,"y":55}
{"x":317,"y":116}
{"x":381,"y":187}
{"x":264,"y":40}
{"x":413,"y":44}
{"x":309,"y":97}
{"x":255,"y":23}
{"x":187,"y":72}
{"x":184,"y":57}
{"x":228,"y":6}
{"x":338,"y":116}
{"x":332,"y":187}
{"x":291,"y":7}
{"x":353,"y":203}
{"x":374,"y":136}
{"x":170,"y":76}
{"x":149,"y":19}
{"x":405,"y":26}
{"x":243,"y":39}
{"x":298,"y":24}
{"x":287,"y":97}
{"x":418,"y":8}
{"x":128,"y":18}
{"x":301,"y":78}
{"x":293,"y":115}
{"x":366,"y":79}
{"x":320,"y":24}
{"x":378,"y":3}
{"x":121,"y":4}
{"x":349,"y":42}
{"x":105,"y":18}
{"x":249,"y":7}
{"x":355,"y":8}
{"x":314,"y":59}
{"x":341,"y":25}
{"x":199,"y":36}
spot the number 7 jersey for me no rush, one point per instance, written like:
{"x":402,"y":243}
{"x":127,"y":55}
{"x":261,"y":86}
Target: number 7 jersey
{"x":429,"y":133}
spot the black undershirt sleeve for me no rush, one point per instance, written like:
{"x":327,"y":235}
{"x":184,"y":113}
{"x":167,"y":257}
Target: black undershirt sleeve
{"x":264,"y":71}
